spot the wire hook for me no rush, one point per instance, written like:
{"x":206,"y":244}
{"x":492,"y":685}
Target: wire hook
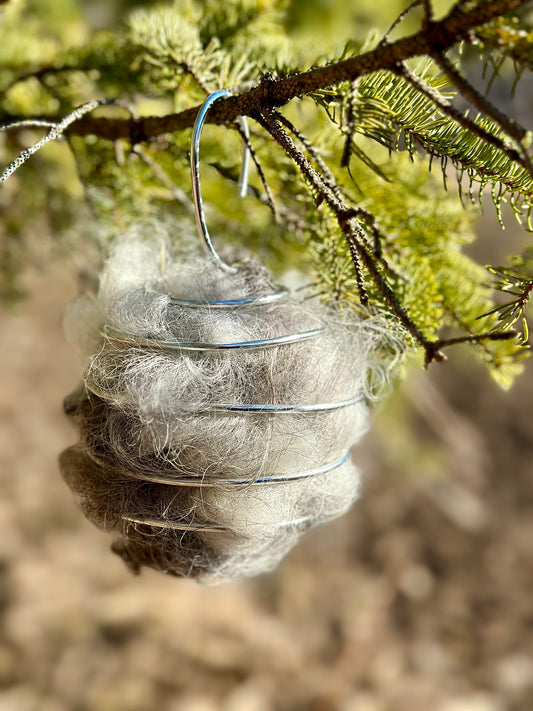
{"x":195,"y":171}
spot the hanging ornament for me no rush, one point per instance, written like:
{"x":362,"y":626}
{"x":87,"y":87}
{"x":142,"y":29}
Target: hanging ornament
{"x":217,"y":409}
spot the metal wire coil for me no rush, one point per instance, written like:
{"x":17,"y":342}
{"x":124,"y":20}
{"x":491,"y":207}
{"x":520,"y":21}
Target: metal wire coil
{"x":112,"y":334}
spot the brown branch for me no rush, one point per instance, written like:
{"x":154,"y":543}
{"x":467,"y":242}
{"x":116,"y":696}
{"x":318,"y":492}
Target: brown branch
{"x":489,"y":336}
{"x":432,"y":40}
{"x":361,"y":256}
{"x":345,"y":216}
{"x":326,"y":173}
{"x":437,"y":346}
{"x":350,"y":213}
{"x":349,"y":125}
{"x":353,"y":246}
{"x":428,"y":14}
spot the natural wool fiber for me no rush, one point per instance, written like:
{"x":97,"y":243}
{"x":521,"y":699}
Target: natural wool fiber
{"x":144,"y":415}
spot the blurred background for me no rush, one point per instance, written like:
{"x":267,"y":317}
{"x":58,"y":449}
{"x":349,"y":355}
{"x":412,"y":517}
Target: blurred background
{"x":419,"y":599}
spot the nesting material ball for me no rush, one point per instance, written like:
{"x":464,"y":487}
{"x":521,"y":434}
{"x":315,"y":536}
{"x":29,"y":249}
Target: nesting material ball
{"x":172,"y":459}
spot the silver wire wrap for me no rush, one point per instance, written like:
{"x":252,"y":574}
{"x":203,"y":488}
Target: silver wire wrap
{"x":196,"y":527}
{"x":274,"y":479}
{"x":128,"y":339}
{"x":195,"y":172}
{"x":133,"y":340}
{"x":277,"y":295}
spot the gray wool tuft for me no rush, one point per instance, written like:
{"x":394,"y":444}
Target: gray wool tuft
{"x":146,"y":419}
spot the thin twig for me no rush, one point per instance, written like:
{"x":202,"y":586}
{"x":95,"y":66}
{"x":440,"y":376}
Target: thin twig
{"x":270,"y":123}
{"x":269,"y":197}
{"x":353,"y":246}
{"x":327,"y":174}
{"x":345,"y":219}
{"x":477,"y":338}
{"x":428,"y":14}
{"x":352,"y":213}
{"x":349,"y":123}
{"x":27,"y":123}
{"x":188,"y":69}
{"x":401,"y":17}
{"x":56,"y":131}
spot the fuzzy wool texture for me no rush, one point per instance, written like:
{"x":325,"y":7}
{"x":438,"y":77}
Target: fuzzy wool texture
{"x":145,"y":415}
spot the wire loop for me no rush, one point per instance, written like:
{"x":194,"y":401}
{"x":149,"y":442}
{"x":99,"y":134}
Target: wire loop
{"x":195,"y":171}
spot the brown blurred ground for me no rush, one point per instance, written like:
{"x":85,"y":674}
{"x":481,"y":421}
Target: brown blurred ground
{"x":418,"y":600}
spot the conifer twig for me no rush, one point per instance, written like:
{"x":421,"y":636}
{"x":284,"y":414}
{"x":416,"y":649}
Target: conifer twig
{"x":511,"y":127}
{"x":354,"y":213}
{"x":345,"y":218}
{"x":361,"y":254}
{"x":465,"y":121}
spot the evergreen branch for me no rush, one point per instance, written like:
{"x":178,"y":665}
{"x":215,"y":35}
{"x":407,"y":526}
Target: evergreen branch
{"x":227,"y":22}
{"x":345,"y":218}
{"x":327,"y":174}
{"x":349,"y":125}
{"x":459,"y":321}
{"x":464,"y":120}
{"x":355,"y":253}
{"x":362,"y":256}
{"x":373,"y":94}
{"x":271,"y":93}
{"x":355,"y":213}
{"x":478,"y":338}
{"x":410,"y":112}
{"x":509,"y":126}
{"x":518,"y":282}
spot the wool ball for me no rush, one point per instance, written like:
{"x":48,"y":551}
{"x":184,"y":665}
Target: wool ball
{"x":184,"y":480}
